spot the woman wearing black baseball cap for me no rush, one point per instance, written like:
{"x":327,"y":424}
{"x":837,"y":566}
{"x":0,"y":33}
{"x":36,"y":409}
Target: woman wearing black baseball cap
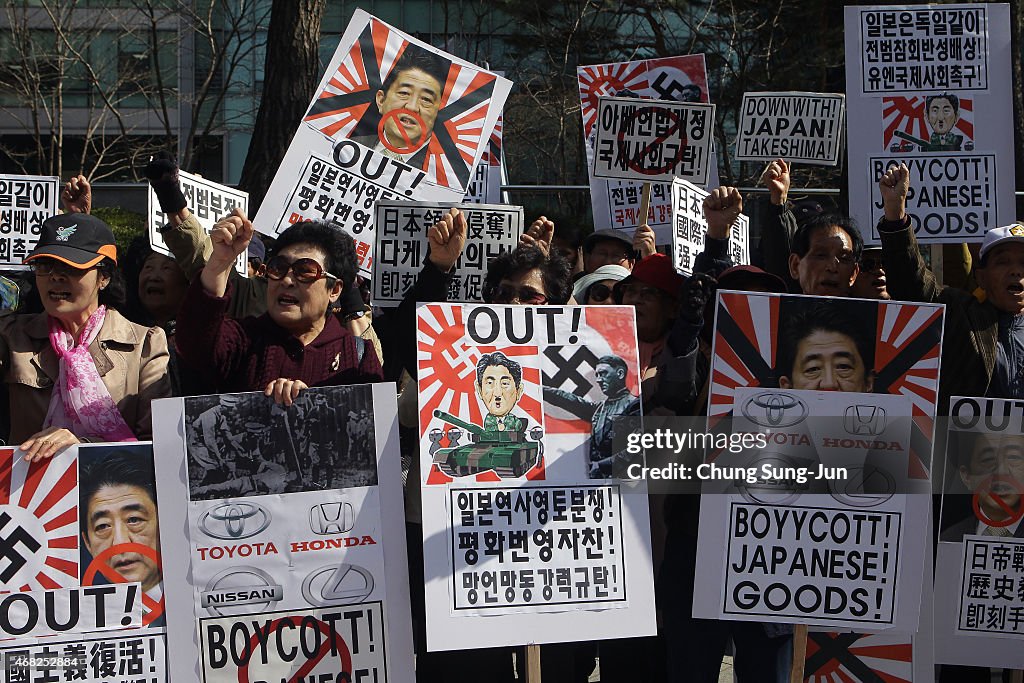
{"x":79,"y":371}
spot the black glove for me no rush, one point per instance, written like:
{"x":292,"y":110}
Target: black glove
{"x":162,"y":173}
{"x":350,"y":303}
{"x":694,"y":296}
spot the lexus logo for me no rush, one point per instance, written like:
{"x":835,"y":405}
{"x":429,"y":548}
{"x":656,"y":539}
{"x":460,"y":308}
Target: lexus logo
{"x":235,"y":520}
{"x":326,"y":519}
{"x":774,"y":409}
{"x":864,"y":420}
{"x":240,"y":587}
{"x":343,"y":584}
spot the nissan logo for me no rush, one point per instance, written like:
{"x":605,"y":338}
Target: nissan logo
{"x":234,"y":520}
{"x":326,"y":519}
{"x":343,"y":584}
{"x":774,"y":409}
{"x":240,"y":587}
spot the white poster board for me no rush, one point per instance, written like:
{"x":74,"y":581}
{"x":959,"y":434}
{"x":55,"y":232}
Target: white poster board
{"x":360,"y":143}
{"x":930,"y":86}
{"x":208,"y":202}
{"x":526,"y":537}
{"x":286,"y":522}
{"x":402,"y":246}
{"x":689,"y":228}
{"x":25,"y":202}
{"x":803,"y":127}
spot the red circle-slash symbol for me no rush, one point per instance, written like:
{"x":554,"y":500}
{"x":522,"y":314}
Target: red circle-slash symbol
{"x":635,"y":162}
{"x":410,"y":146}
{"x":985,"y":489}
{"x":325,"y":649}
{"x":99,"y":566}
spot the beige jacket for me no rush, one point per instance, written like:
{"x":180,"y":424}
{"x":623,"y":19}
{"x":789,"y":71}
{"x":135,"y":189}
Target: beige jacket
{"x":131,"y":359}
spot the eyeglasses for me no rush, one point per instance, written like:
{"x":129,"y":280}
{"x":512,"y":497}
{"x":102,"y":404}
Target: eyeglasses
{"x":871,"y":264}
{"x":305,"y":270}
{"x":599,"y":292}
{"x":48,"y":267}
{"x":517,"y":295}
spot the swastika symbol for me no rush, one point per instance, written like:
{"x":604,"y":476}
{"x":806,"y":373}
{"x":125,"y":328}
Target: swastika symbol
{"x":569,"y":369}
{"x":8,"y":550}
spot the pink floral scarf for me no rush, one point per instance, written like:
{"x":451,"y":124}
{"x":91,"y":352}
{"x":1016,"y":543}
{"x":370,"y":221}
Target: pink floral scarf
{"x":80,"y":401}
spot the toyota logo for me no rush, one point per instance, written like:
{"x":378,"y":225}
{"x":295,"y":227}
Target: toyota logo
{"x":231,"y":521}
{"x":774,"y":409}
{"x":343,"y":584}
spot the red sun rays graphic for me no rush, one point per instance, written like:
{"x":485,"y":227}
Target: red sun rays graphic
{"x":41,"y":501}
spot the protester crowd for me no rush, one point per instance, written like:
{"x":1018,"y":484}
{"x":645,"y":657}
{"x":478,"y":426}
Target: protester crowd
{"x":97,"y":336}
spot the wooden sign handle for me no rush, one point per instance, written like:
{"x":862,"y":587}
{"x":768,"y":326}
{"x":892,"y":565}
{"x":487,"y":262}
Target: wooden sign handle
{"x":533,"y":664}
{"x":796,"y":674}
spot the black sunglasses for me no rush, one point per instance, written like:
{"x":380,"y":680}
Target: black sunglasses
{"x":523,"y":295}
{"x":305,"y":270}
{"x":599,"y":292}
{"x":871,"y":263}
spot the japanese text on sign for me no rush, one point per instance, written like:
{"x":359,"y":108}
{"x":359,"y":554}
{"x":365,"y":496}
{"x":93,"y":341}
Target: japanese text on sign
{"x":539,"y":546}
{"x":401,"y":246}
{"x":821,"y":563}
{"x":125,"y":659}
{"x":992,"y":595}
{"x":689,"y":228}
{"x":25,"y":202}
{"x":924,"y":50}
{"x":653,"y":140}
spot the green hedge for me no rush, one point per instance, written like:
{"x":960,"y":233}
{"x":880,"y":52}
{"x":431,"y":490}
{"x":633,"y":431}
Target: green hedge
{"x":127,"y":225}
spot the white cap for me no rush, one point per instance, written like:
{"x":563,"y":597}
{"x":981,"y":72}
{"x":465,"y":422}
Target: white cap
{"x":609,"y":272}
{"x":1007,"y":233}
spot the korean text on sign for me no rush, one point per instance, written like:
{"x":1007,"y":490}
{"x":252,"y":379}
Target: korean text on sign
{"x":931,"y":49}
{"x":539,"y":546}
{"x":25,"y":202}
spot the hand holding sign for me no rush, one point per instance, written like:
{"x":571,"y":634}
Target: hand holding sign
{"x":894,"y":185}
{"x":77,"y":195}
{"x":776,"y":179}
{"x":643,"y":241}
{"x":447,"y":237}
{"x":539,"y":234}
{"x":721,"y":209}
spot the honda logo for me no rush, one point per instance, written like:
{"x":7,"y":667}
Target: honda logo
{"x":775,"y":409}
{"x":326,"y":519}
{"x":864,"y":420}
{"x":344,"y":584}
{"x":234,"y":520}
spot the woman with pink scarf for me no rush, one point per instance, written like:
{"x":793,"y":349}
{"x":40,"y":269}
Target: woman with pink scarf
{"x":79,"y":371}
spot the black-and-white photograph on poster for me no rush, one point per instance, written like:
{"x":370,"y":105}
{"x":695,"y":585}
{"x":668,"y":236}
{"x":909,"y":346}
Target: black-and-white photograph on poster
{"x":246,"y":445}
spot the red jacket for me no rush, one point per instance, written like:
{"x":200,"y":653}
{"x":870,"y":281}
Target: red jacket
{"x":248,"y":354}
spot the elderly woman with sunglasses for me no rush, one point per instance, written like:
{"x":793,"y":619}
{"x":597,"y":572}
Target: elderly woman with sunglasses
{"x":297,"y":343}
{"x":79,"y":371}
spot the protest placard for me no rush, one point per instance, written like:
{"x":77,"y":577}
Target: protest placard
{"x":489,"y":175}
{"x":616,"y":203}
{"x":81,"y":577}
{"x":930,"y":87}
{"x":525,"y":529}
{"x":801,"y":127}
{"x":293,"y":556}
{"x":652,"y":140}
{"x":25,"y":202}
{"x":845,"y":446}
{"x":358,"y":143}
{"x":689,"y":228}
{"x":208,"y":202}
{"x":401,"y":246}
{"x":980,"y":553}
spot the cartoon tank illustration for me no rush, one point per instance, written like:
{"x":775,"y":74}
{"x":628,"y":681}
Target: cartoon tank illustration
{"x":508,"y":453}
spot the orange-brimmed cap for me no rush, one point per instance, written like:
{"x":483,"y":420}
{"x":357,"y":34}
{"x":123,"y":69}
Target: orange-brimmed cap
{"x":77,"y":239}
